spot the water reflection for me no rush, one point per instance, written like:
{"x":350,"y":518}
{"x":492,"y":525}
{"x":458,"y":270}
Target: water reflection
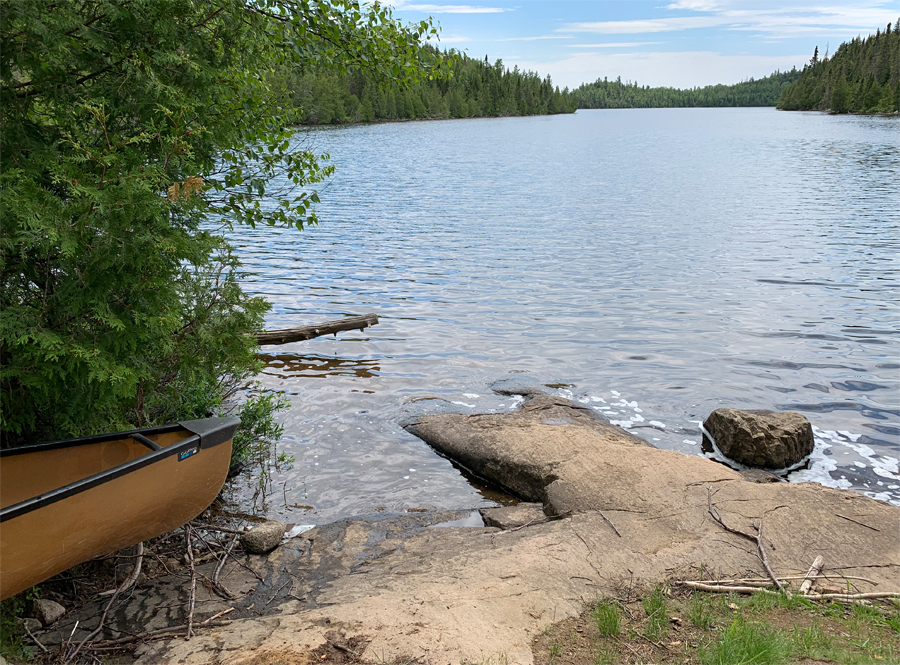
{"x":316,"y":366}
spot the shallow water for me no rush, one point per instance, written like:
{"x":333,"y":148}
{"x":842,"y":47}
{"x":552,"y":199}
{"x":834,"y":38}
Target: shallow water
{"x":654,"y":264}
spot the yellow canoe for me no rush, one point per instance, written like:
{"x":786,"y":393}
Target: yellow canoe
{"x":66,"y":502}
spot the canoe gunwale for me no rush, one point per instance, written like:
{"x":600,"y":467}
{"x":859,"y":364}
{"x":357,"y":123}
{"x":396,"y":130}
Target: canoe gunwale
{"x":60,"y":493}
{"x":87,"y":440}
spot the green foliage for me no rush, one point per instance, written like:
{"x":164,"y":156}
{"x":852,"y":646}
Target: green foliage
{"x":863,"y":76}
{"x":255,"y":441}
{"x":12,"y":645}
{"x":471,"y":88}
{"x":606,"y":616}
{"x":127,"y":130}
{"x":743,"y":643}
{"x":656,"y":608}
{"x":605,"y":94}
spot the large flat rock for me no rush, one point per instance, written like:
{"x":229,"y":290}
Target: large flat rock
{"x":452,"y":594}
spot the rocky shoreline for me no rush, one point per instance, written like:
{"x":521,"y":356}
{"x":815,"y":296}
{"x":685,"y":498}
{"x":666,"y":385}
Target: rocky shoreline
{"x":611,"y":510}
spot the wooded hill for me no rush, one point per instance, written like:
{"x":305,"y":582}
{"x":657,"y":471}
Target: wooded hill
{"x":475,"y":89}
{"x":863,"y":76}
{"x":605,"y":94}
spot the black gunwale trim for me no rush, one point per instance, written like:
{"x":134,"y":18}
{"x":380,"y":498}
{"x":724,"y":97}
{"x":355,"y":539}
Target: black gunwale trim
{"x":86,"y":440}
{"x":212,"y":431}
{"x":60,"y":493}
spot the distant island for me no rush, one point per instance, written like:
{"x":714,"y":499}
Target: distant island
{"x":605,"y":94}
{"x":863,"y":76}
{"x":475,"y":89}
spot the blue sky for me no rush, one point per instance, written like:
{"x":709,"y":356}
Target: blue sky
{"x":678,"y":43}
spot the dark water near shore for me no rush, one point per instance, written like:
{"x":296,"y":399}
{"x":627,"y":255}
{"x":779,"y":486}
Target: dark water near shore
{"x":654,"y":264}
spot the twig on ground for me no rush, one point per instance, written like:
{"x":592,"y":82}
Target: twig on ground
{"x":33,"y":638}
{"x":216,"y":616}
{"x":188,"y":531}
{"x":810,"y":578}
{"x":159,"y":633}
{"x":785,"y":578}
{"x":760,"y":549}
{"x":212,"y":527}
{"x":721,"y":588}
{"x":609,"y":521}
{"x":850,"y":519}
{"x":133,"y":577}
{"x":218,"y":570}
{"x":522,"y":526}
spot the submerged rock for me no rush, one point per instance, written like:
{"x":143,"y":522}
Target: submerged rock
{"x":767,"y":439}
{"x":263,"y":537}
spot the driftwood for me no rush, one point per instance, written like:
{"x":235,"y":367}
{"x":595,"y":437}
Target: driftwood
{"x":303,"y":333}
{"x":814,"y":570}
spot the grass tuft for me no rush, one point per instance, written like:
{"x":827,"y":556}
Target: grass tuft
{"x":655,"y":607}
{"x":606,"y":616}
{"x":743,"y":643}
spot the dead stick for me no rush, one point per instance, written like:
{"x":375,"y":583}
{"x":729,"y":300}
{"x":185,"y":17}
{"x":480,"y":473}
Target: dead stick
{"x":609,"y":521}
{"x":852,"y":596}
{"x":216,"y":616}
{"x":719,"y":588}
{"x":213,"y":527}
{"x":763,"y":557}
{"x":135,"y":573}
{"x":850,"y":519}
{"x":221,"y":565}
{"x":790,"y":577}
{"x":760,"y":550}
{"x":810,"y":578}
{"x":193,"y":596}
{"x":152,"y":634}
{"x":33,"y":638}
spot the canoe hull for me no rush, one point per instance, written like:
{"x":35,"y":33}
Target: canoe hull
{"x":146,"y":496}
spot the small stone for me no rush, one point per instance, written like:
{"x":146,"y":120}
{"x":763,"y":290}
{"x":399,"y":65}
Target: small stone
{"x":512,"y":517}
{"x":46,"y":611}
{"x":30,"y":624}
{"x":767,"y":439}
{"x":263,"y":537}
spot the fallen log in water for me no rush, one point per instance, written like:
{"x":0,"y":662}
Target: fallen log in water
{"x":302,"y":333}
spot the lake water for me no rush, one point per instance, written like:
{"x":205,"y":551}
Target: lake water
{"x":653,"y":264}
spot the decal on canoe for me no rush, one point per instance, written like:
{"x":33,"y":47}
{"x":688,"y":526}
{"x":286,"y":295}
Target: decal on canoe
{"x":184,"y":454}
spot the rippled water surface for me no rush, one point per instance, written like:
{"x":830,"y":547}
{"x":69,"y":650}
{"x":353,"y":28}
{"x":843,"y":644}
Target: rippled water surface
{"x":654,"y":264}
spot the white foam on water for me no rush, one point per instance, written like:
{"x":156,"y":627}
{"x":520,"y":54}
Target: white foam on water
{"x":471,"y":406}
{"x":614,"y":393}
{"x":690,"y":442}
{"x":471,"y":395}
{"x":624,"y":424}
{"x":637,"y":418}
{"x":516,"y":400}
{"x":656,"y":423}
{"x":597,"y":399}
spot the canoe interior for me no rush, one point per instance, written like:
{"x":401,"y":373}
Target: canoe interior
{"x":26,"y":475}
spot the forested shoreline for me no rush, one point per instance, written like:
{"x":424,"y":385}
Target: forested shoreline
{"x":475,"y":88}
{"x":863,"y":76}
{"x":605,"y":94}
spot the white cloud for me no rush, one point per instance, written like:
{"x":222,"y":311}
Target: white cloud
{"x":774,"y":20}
{"x":677,"y":69}
{"x":534,"y":39}
{"x":640,"y":26}
{"x":448,"y":9}
{"x":613,"y":45}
